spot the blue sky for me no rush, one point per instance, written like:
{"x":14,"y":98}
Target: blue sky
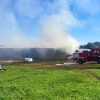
{"x":39,"y":22}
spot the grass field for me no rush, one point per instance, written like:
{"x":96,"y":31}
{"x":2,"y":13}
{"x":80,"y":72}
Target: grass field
{"x":45,"y":81}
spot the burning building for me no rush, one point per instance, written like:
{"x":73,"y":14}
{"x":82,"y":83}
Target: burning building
{"x":34,"y":53}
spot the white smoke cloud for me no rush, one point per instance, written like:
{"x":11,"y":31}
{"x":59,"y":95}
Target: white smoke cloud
{"x":55,"y":27}
{"x":9,"y":31}
{"x":54,"y":18}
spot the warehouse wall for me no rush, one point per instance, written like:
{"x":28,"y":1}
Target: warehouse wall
{"x":35,"y":53}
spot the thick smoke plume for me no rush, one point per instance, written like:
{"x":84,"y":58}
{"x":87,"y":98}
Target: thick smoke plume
{"x":56,"y":25}
{"x":22,"y":25}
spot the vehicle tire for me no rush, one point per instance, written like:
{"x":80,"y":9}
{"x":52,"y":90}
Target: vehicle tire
{"x":98,"y":60}
{"x":80,"y":61}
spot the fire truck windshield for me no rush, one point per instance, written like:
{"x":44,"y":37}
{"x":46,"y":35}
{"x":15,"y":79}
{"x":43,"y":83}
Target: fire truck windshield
{"x":95,"y":51}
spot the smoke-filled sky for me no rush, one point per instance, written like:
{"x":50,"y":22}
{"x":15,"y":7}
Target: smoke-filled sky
{"x":49,"y":23}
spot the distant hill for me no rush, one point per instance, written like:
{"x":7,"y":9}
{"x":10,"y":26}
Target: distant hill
{"x":90,"y":45}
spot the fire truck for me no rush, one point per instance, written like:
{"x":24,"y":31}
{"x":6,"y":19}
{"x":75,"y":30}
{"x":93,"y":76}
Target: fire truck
{"x":92,"y":54}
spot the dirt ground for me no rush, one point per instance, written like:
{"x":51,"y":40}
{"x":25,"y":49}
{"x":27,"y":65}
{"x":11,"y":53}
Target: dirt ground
{"x":52,"y":64}
{"x":3,"y":62}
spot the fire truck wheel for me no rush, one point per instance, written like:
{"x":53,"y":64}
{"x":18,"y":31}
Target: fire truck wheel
{"x":98,"y":61}
{"x":80,"y":61}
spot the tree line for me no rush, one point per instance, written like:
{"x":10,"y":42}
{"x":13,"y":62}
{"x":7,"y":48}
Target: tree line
{"x":90,"y":45}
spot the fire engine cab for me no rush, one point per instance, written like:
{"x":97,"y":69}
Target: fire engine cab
{"x":92,"y":54}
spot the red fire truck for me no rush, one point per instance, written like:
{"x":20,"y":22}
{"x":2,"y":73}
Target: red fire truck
{"x":87,"y":55}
